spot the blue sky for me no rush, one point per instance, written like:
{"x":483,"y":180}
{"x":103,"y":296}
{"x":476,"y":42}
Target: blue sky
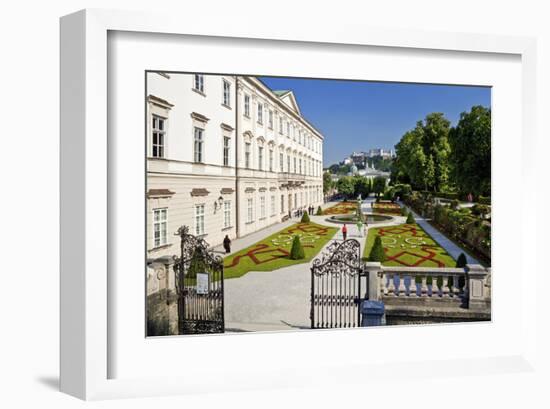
{"x":359,"y":115}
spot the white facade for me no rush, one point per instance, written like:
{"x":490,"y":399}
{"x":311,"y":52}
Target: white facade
{"x":225,"y":162}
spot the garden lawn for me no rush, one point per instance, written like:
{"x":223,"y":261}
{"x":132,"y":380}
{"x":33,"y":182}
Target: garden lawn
{"x":409,"y":245}
{"x":273,"y":252}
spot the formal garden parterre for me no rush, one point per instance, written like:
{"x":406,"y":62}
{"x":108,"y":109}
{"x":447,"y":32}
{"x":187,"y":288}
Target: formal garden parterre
{"x":273,"y":252}
{"x":408,"y":245}
{"x":386,"y":207}
{"x":345,"y":207}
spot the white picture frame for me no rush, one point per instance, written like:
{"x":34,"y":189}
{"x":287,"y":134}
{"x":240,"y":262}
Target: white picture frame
{"x":86,"y":355}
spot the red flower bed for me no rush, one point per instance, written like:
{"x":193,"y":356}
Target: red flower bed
{"x":342,"y":208}
{"x":387,"y":208}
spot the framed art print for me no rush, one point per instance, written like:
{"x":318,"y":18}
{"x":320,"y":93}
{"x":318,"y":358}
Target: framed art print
{"x":238,"y":202}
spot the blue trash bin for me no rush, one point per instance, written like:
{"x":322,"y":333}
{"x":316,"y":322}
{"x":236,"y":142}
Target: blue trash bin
{"x":372,"y":313}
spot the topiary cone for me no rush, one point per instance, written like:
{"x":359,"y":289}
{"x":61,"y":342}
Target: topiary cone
{"x":297,"y":251}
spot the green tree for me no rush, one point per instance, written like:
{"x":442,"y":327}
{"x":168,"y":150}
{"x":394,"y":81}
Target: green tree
{"x":297,"y":251}
{"x":305,"y":218}
{"x":362,"y":186}
{"x":423,"y":154}
{"x":379,"y":185}
{"x":377,"y":252}
{"x":470,"y":157}
{"x":410,"y":219}
{"x":319,"y":211}
{"x":436,"y":144}
{"x":346,"y":186}
{"x":327,"y":182}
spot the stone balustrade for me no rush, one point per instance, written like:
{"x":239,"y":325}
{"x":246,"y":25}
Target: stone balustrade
{"x":469,"y":285}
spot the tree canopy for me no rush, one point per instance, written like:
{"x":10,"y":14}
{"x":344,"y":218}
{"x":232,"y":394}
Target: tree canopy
{"x":433,"y":156}
{"x":470,"y":143}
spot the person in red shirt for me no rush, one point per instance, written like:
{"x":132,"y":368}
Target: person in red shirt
{"x":344,"y":231}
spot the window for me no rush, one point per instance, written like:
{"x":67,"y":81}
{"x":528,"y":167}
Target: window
{"x":281,"y":162}
{"x":288,"y":129}
{"x":226,"y":214}
{"x":281,"y":125}
{"x":159,"y":227}
{"x":247,"y":155}
{"x":271,"y":160}
{"x":199,"y":220}
{"x":300,"y":169}
{"x":199,"y":145}
{"x":288,"y":163}
{"x":270,"y":119}
{"x":159,"y":134}
{"x":260,"y":157}
{"x":272,"y":205}
{"x":282,"y":203}
{"x":262,"y":207}
{"x":294,"y":164}
{"x":226,"y":141}
{"x":260,"y":113}
{"x":198,"y":83}
{"x":247,"y":105}
{"x":226,"y":93}
{"x":250,"y":210}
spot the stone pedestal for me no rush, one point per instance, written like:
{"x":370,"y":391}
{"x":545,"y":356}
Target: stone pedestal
{"x":478,"y":295}
{"x":374,"y":270}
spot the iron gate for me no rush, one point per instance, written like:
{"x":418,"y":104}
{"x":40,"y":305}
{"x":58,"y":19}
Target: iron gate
{"x":336,"y":286}
{"x":199,"y":286}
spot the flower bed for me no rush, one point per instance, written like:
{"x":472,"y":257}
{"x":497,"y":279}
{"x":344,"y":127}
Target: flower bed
{"x":410,"y":246}
{"x":341,"y":208}
{"x":387,"y":208}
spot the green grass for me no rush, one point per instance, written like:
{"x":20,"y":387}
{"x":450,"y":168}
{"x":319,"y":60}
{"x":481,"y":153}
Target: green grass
{"x":271,"y":251}
{"x":421,"y":249}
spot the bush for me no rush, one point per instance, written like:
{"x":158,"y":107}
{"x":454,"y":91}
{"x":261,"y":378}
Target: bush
{"x":305,"y":218}
{"x":484,"y":200}
{"x":297,"y":251}
{"x":454,"y":204}
{"x":461,"y":261}
{"x":404,"y":211}
{"x":377,"y":251}
{"x":410,"y":219}
{"x":319,"y":211}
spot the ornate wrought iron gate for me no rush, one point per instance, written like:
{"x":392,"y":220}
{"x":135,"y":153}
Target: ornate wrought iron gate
{"x":199,"y":286}
{"x":336,"y":286}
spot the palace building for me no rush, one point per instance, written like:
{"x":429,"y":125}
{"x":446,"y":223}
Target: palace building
{"x":225,"y":155}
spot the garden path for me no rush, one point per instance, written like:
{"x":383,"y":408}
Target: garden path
{"x":276,"y":300}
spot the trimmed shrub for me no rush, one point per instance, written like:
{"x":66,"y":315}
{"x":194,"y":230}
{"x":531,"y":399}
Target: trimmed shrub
{"x":377,"y":251}
{"x":404,"y":211}
{"x":319,"y":211}
{"x":410,"y":219}
{"x":305,"y":218}
{"x":297,"y":251}
{"x":461,"y":261}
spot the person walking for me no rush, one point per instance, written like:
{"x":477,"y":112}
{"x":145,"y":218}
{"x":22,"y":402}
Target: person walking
{"x":227,"y":244}
{"x":345,"y":232}
{"x":365,"y":229}
{"x":360,"y":228}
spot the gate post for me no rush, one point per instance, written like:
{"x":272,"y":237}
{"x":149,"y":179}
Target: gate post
{"x":374,"y":273}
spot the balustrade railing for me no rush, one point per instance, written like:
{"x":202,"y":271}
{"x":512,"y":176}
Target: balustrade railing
{"x":422,"y":282}
{"x":471,"y":284}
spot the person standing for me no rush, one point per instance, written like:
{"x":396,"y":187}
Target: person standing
{"x":227,"y":244}
{"x":345,"y":232}
{"x":360,"y":228}
{"x":365,"y":229}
